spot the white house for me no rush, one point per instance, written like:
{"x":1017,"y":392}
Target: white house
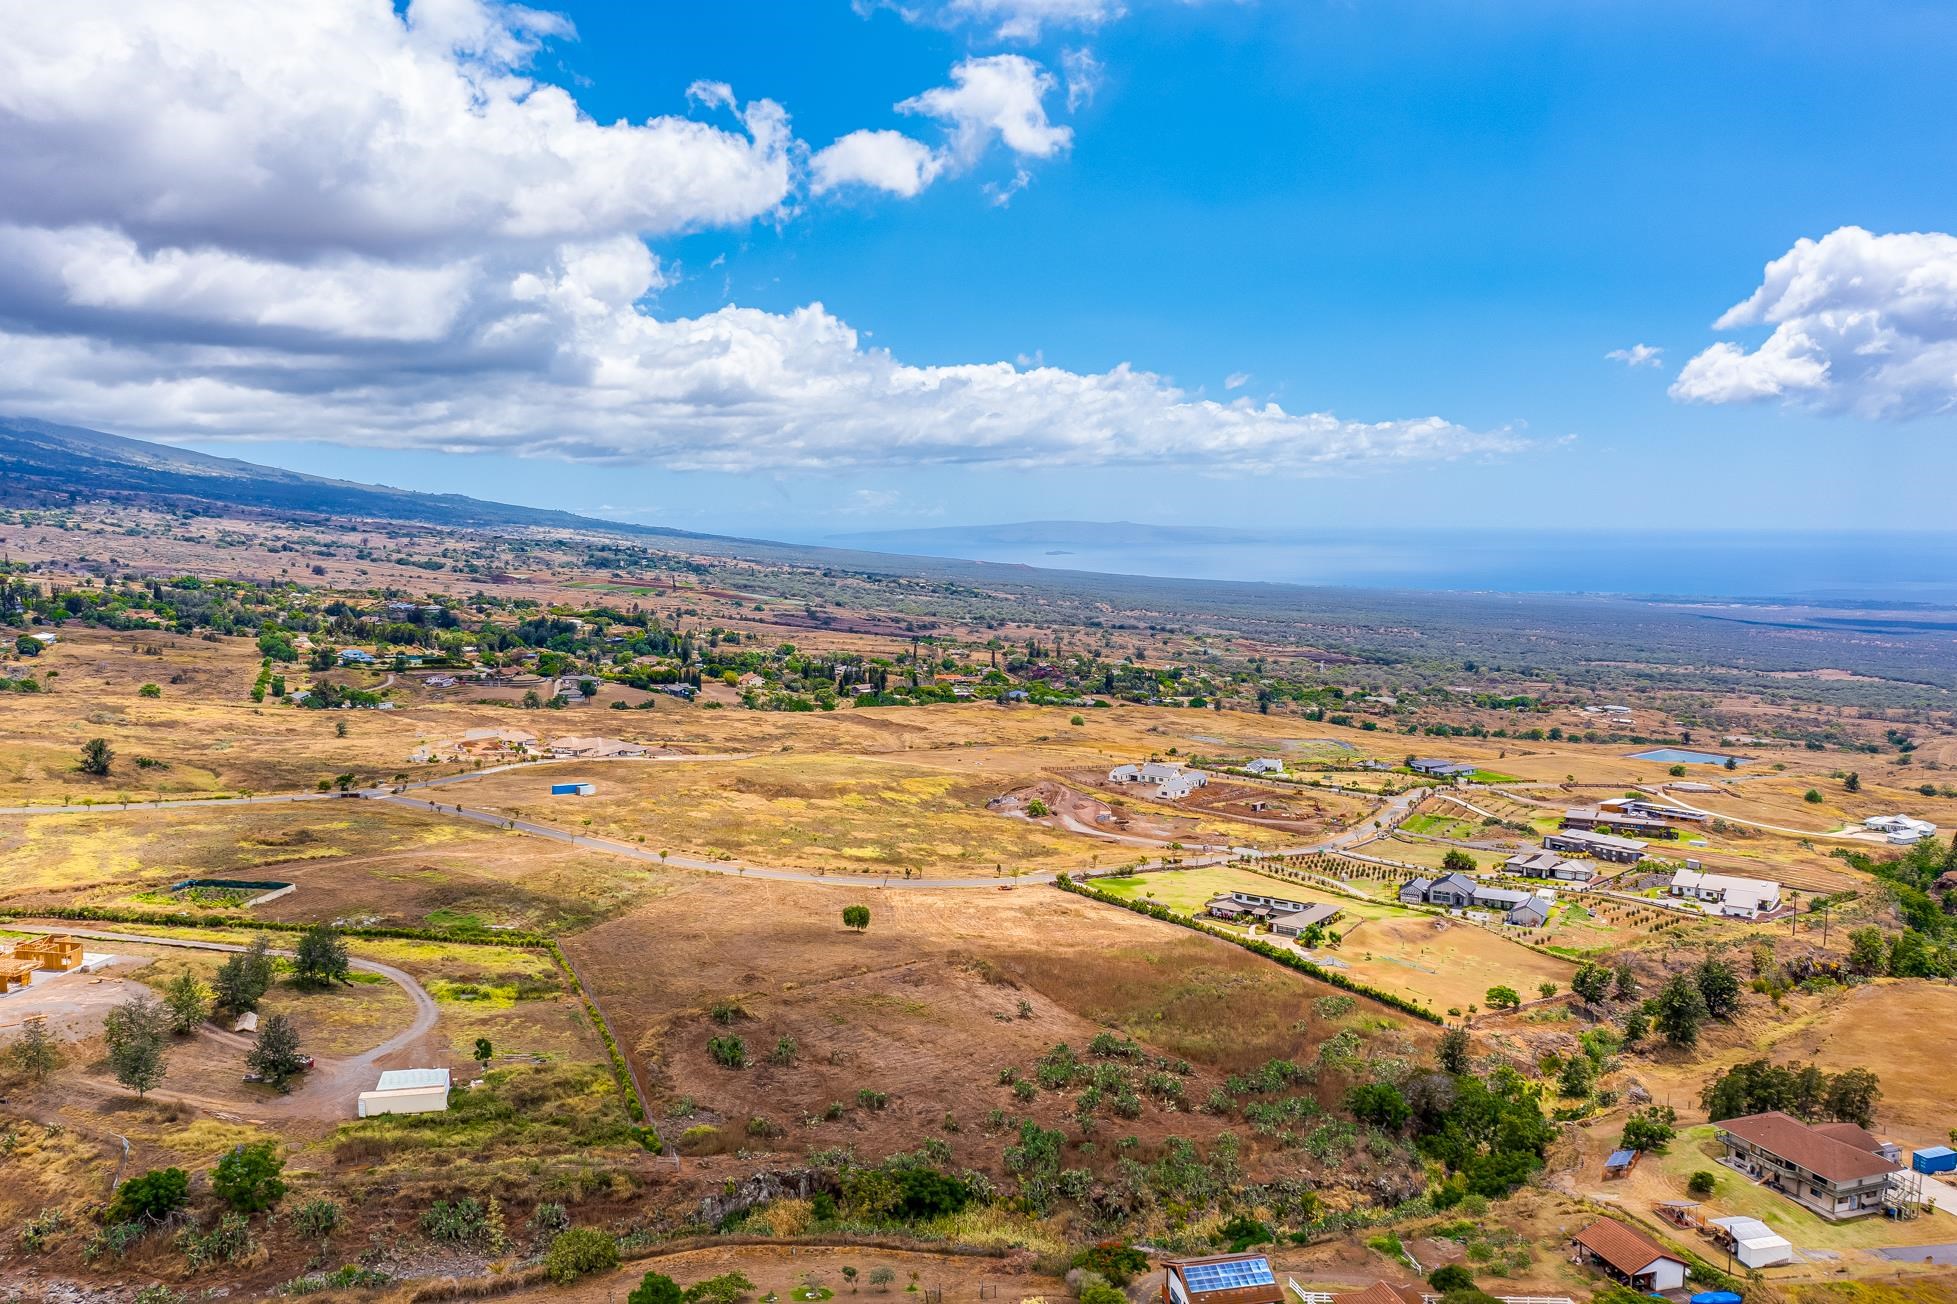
{"x":1900,"y":829}
{"x":1726,"y":894}
{"x":1265,"y":765}
{"x":407,"y":1091}
{"x":1172,"y":781}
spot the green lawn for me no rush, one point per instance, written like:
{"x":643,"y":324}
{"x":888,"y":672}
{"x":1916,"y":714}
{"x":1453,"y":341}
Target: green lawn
{"x":1694,"y":1149}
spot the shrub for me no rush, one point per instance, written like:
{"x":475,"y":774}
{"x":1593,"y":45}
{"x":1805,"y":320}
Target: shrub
{"x":1102,"y":1295}
{"x":728,"y":1052}
{"x":1450,"y":1277}
{"x":227,"y":1242}
{"x":655,"y":1288}
{"x":1702,"y":1183}
{"x":579,"y":1252}
{"x":247,"y":1178}
{"x":466,"y":1221}
{"x":151,"y":1197}
{"x":856,"y":917}
{"x":316,"y":1218}
{"x":723,"y":1289}
{"x":1118,"y":1262}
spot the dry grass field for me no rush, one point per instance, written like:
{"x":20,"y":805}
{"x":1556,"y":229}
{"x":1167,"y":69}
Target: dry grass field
{"x":941,"y":992}
{"x":350,"y":860}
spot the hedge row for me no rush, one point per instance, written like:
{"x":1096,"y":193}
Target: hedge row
{"x":1289,"y":959}
{"x":198,"y":919}
{"x":621,"y":1070}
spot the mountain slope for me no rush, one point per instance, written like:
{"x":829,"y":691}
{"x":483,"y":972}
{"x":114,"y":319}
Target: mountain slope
{"x":44,"y":463}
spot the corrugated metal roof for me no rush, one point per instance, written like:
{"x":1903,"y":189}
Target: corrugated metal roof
{"x":408,"y":1079}
{"x":1619,"y":1157}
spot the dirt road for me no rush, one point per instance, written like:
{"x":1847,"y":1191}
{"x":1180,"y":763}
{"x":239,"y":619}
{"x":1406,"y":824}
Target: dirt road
{"x":330,"y":1089}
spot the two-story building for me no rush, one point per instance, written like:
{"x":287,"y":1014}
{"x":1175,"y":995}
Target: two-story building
{"x":1817,"y":1169}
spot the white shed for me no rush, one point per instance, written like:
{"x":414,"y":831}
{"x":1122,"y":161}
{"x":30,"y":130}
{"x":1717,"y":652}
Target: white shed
{"x":407,"y":1091}
{"x":1755,"y":1244}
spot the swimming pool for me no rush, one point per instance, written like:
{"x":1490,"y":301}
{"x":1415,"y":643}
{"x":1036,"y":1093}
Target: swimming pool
{"x":1685,"y":756}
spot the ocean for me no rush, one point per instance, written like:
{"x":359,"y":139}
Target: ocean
{"x":1871,"y":567}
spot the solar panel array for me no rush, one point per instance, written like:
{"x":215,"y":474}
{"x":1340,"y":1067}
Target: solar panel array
{"x":1205,"y":1277}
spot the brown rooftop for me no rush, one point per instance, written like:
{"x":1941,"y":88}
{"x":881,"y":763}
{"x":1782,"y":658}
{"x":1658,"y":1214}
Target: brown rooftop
{"x":1626,"y":1249}
{"x":1852,"y":1133}
{"x":1828,"y":1157}
{"x":1381,"y":1292}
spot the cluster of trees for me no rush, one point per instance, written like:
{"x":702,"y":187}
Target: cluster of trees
{"x":1809,"y":1093}
{"x":1711,"y":990}
{"x":1489,"y":1133}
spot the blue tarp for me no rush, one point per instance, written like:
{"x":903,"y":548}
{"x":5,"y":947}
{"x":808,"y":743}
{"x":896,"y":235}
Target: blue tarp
{"x":1716,"y":1297}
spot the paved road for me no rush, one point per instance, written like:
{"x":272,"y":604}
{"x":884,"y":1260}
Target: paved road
{"x":334,"y":1082}
{"x":1382,"y":820}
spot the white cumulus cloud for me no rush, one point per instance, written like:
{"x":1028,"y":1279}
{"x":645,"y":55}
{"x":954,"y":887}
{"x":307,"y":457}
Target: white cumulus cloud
{"x":343,"y":222}
{"x":884,"y":160}
{"x":1638,"y":355}
{"x":1862,"y":323}
{"x":999,"y":97}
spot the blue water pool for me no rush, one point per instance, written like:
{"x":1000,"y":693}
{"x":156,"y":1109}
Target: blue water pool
{"x":1684,"y":756}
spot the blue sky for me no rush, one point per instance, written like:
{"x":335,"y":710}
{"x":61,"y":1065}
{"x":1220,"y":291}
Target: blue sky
{"x":1381,"y":211}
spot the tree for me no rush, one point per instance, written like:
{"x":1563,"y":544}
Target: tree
{"x":1454,"y":1051}
{"x":484,"y":1053}
{"x":135,"y":1031}
{"x":1853,"y":783}
{"x":248,"y":1177}
{"x":1651,"y":1128}
{"x":34,"y":1054}
{"x":1852,"y":1096}
{"x":881,"y":1277}
{"x":1636,"y":1025}
{"x":151,"y":1197}
{"x":245,"y":976}
{"x":96,"y":757}
{"x":1678,"y":1010}
{"x":1450,"y":1276}
{"x":320,"y":959}
{"x":1577,"y":1077}
{"x":1867,"y":955}
{"x":1701,"y":1184}
{"x":1591,"y":983}
{"x":1379,"y":1103}
{"x":1503,"y":998}
{"x":655,"y":1288}
{"x":856,"y":917}
{"x":1457,"y":861}
{"x":1720,"y":987}
{"x":188,"y":1001}
{"x":275,"y":1055}
{"x":1626,"y":982}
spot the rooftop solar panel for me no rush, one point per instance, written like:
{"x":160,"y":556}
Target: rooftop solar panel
{"x":1205,"y":1277}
